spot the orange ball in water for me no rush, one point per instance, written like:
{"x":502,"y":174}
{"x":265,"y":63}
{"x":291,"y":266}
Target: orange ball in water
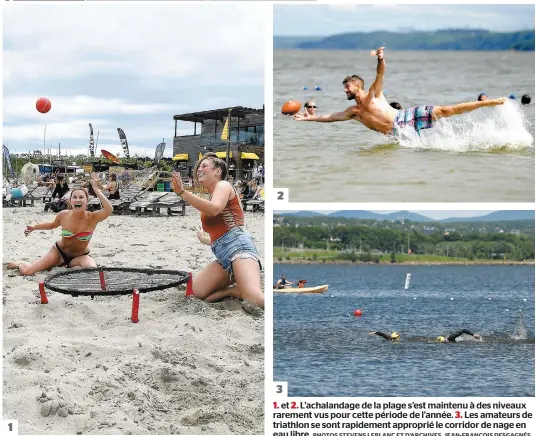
{"x":43,"y":105}
{"x":357,"y":312}
{"x":291,"y":107}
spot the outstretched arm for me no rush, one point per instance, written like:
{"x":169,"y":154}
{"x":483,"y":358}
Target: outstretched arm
{"x":382,"y":335}
{"x":327,"y":118}
{"x":210,"y":207}
{"x":452,"y":337}
{"x":107,"y":209}
{"x":376,"y":87}
{"x":44,"y":226}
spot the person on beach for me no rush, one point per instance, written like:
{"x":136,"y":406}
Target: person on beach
{"x":77,"y":226}
{"x":237,"y":262}
{"x":373,"y":110}
{"x":112,"y":187}
{"x":60,"y":187}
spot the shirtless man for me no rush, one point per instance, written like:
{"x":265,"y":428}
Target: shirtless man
{"x":374,"y":112}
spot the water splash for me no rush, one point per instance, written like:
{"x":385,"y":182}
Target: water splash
{"x":498,"y":129}
{"x":520,"y":332}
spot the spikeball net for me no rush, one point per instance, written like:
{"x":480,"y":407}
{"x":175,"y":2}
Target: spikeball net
{"x":114,"y":281}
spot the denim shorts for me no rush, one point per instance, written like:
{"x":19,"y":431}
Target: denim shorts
{"x":235,"y":244}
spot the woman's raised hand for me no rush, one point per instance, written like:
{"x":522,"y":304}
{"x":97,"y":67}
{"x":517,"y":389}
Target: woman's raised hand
{"x":29,"y":229}
{"x":94,"y":180}
{"x":177,"y":183}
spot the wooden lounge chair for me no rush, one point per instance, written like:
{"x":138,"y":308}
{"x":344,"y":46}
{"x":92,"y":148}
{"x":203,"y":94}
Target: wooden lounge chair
{"x":130,"y":194}
{"x":168,"y":202}
{"x":255,"y":204}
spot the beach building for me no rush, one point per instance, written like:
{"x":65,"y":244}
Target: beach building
{"x":246,"y":133}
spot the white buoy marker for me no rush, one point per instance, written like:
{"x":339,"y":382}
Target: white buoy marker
{"x":407,"y":281}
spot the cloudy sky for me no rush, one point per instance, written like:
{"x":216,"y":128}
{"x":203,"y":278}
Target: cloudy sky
{"x":321,"y":20}
{"x":132,"y":66}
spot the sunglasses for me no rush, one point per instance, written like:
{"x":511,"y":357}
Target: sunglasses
{"x":311,"y":107}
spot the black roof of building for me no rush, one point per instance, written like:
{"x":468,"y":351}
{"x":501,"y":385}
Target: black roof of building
{"x":219,"y":114}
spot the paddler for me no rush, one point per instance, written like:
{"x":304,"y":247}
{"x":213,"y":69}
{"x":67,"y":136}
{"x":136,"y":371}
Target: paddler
{"x":283,"y":283}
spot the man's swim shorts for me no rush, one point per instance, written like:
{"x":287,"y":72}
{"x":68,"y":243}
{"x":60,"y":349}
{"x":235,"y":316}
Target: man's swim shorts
{"x":419,"y":117}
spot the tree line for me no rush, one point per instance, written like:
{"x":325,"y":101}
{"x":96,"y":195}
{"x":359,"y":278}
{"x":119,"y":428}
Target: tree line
{"x":362,"y":239}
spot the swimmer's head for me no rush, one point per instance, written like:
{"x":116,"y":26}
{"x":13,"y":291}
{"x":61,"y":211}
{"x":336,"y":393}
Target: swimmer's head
{"x":395,"y":336}
{"x":482,"y":97}
{"x":441,"y":339}
{"x":396,"y":105}
{"x":310,"y":107}
{"x":353,"y":84}
{"x":526,"y":99}
{"x":512,"y":97}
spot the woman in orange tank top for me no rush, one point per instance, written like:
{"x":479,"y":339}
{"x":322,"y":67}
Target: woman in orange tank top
{"x":238,"y":262}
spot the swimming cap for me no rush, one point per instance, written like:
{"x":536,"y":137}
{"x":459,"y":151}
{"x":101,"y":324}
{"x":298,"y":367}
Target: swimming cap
{"x":395,"y":335}
{"x":526,"y":99}
{"x":440,"y":339}
{"x":512,"y":96}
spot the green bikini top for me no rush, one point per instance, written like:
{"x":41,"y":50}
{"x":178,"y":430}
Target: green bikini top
{"x":82,"y":236}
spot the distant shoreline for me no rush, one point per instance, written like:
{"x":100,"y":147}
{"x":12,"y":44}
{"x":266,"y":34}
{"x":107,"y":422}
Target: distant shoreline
{"x":348,"y":262}
{"x":441,"y":39}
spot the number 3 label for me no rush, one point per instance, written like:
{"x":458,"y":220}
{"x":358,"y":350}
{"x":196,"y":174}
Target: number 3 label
{"x":280,"y":388}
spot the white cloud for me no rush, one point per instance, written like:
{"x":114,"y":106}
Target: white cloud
{"x":145,"y":40}
{"x":124,"y":65}
{"x":343,"y":6}
{"x":23,"y":106}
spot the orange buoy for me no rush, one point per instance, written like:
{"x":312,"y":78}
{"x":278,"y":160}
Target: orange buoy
{"x":291,"y":107}
{"x":357,"y":312}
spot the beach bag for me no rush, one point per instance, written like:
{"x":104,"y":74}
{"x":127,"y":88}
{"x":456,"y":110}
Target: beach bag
{"x":58,"y":206}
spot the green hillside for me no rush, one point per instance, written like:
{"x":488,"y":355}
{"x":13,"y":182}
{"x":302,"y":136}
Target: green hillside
{"x":448,"y":39}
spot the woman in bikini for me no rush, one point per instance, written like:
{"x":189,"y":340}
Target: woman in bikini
{"x":77,"y":229}
{"x":112,"y":187}
{"x":237,"y":262}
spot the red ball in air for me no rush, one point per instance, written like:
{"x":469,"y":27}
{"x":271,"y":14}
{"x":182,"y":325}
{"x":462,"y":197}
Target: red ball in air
{"x":43,"y":105}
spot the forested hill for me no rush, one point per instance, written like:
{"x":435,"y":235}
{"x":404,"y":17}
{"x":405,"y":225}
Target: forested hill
{"x":448,"y":39}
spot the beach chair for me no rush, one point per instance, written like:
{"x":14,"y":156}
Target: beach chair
{"x":257,"y":204}
{"x":134,"y":192}
{"x":169,"y":202}
{"x":34,"y":193}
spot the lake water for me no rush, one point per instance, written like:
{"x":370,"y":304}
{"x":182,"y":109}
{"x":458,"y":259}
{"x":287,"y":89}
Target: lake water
{"x":488,"y":155}
{"x":322,"y":349}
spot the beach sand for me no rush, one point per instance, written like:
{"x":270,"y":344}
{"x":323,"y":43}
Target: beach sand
{"x":187,"y":367}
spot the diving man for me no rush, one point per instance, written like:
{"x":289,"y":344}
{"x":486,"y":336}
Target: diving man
{"x":373,"y":110}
